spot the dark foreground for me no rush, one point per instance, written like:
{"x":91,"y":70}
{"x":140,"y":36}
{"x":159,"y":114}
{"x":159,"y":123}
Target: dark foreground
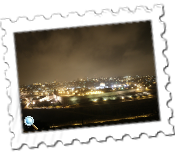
{"x":111,"y":112}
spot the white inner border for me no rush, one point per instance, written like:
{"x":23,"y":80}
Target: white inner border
{"x":101,"y":132}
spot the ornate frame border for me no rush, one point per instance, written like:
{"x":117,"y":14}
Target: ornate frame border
{"x":160,"y":142}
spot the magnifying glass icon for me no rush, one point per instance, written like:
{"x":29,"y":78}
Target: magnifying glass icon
{"x":29,"y":122}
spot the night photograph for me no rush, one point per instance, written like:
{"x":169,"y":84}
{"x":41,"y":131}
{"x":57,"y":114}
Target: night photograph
{"x":87,"y":76}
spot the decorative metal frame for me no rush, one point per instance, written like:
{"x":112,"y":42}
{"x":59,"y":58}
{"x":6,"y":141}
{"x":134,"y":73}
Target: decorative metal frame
{"x":15,"y":10}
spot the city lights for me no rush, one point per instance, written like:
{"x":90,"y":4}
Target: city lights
{"x":95,"y":100}
{"x":53,"y":93}
{"x":105,"y":99}
{"x":77,"y":78}
{"x":94,"y":92}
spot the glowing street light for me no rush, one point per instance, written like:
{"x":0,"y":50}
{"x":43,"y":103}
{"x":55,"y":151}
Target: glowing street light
{"x":105,"y":99}
{"x":95,"y":100}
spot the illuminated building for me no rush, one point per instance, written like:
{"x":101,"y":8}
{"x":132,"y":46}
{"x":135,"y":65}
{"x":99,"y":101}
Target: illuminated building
{"x":102,"y":86}
{"x":114,"y":86}
{"x":23,"y":93}
{"x":36,"y":84}
{"x":47,"y":98}
{"x":35,"y":92}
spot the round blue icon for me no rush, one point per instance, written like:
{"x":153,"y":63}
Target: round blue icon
{"x":29,"y":120}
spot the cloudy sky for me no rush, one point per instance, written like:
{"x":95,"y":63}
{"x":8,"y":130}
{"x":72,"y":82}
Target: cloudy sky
{"x":68,"y":54}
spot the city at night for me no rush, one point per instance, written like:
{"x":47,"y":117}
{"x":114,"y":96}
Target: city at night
{"x":87,"y":76}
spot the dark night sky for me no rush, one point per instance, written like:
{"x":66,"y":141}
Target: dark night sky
{"x":68,"y":54}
